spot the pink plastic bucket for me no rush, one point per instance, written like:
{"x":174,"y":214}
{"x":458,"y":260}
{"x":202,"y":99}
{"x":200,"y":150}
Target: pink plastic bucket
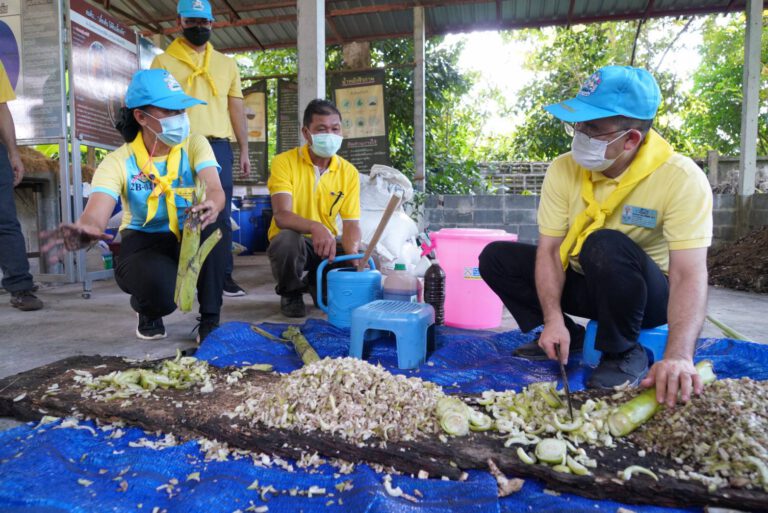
{"x":469,"y":302}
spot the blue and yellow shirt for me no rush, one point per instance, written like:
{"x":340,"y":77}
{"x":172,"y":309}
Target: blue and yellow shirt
{"x":120,"y":177}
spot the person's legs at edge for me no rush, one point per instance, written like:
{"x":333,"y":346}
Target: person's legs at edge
{"x":223,"y":152}
{"x":13,"y":251}
{"x":210,"y":284}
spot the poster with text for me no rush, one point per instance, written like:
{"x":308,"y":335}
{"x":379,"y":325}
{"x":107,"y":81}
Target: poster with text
{"x":359,"y":96}
{"x":255,"y":106}
{"x":32,"y":57}
{"x":287,"y":115}
{"x":104,"y":58}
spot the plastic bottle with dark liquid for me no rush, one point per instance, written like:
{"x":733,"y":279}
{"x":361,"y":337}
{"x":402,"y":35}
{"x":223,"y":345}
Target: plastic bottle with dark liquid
{"x":434,"y":290}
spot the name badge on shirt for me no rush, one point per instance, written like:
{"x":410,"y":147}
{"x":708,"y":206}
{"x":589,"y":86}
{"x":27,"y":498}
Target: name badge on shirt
{"x":638,"y":216}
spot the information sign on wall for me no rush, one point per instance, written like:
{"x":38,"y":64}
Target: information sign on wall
{"x":32,"y":57}
{"x":359,"y":96}
{"x":104,"y":58}
{"x":287,"y":115}
{"x":255,"y":106}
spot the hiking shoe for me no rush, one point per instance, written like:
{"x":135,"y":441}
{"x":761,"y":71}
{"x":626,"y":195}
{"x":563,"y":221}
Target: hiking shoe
{"x":617,"y":369}
{"x":293,"y":306}
{"x":205,"y":325}
{"x":150,"y":328}
{"x":25,"y":301}
{"x":231,"y":288}
{"x":532,"y":351}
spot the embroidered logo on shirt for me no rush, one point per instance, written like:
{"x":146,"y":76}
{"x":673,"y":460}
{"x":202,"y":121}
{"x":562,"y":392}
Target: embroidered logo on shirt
{"x":637,"y":216}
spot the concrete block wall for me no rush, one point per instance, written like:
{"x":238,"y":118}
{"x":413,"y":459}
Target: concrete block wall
{"x":517,"y":214}
{"x":510,"y":212}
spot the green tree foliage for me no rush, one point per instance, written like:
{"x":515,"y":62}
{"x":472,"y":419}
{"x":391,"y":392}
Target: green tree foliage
{"x":712,"y":119}
{"x":452,"y":126}
{"x":564,"y":57}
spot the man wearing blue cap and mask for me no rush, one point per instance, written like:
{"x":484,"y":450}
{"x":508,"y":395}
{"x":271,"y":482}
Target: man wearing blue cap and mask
{"x":311,"y":186}
{"x":624,"y":226}
{"x":213,"y":77}
{"x":154,"y":175}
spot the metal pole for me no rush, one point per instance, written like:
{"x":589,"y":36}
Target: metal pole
{"x":419,"y":113}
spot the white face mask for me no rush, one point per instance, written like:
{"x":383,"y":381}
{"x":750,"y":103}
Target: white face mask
{"x":590,"y":153}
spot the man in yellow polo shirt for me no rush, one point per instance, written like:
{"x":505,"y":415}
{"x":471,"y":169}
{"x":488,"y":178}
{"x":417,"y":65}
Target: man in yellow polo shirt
{"x":311,"y":186}
{"x":13,"y":251}
{"x":624,"y":226}
{"x":214,"y":78}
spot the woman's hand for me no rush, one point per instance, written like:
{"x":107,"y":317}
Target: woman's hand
{"x":69,"y":237}
{"x":207,"y":212}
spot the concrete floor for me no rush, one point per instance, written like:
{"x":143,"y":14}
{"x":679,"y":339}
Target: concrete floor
{"x":105,"y":324}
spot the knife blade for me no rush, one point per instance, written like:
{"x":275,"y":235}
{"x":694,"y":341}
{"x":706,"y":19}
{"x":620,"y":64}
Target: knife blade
{"x":566,"y":387}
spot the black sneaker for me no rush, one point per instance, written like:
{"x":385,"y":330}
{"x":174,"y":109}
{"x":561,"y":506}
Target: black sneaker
{"x":150,"y":328}
{"x":205,"y":325}
{"x":25,"y":300}
{"x":231,"y":288}
{"x":293,"y":306}
{"x":616,"y":369}
{"x":532,"y":351}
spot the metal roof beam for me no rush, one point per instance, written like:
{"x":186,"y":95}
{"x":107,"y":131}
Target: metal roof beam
{"x":245,"y":8}
{"x":247,"y":29}
{"x":238,"y":23}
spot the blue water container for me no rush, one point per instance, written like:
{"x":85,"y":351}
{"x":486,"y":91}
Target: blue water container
{"x":254,"y":217}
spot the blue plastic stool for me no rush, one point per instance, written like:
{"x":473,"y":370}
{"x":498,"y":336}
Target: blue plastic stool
{"x":410,"y":323}
{"x":654,"y":340}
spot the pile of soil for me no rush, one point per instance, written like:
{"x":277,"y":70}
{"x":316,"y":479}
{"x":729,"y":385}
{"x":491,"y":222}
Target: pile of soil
{"x":35,"y":163}
{"x":742,"y":265}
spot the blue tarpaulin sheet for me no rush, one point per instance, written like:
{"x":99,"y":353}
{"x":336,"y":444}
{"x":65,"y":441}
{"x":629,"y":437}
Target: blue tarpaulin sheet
{"x":48,"y":469}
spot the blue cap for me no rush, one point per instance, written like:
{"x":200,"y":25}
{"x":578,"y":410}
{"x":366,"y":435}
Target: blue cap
{"x":195,"y":9}
{"x":612,"y":91}
{"x":157,"y":87}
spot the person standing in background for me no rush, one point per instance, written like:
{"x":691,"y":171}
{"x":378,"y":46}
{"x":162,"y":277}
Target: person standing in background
{"x":213,"y":77}
{"x":13,"y":251}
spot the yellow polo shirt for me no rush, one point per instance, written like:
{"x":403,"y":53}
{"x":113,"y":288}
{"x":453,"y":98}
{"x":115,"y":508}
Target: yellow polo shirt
{"x":316,"y":196}
{"x":669,"y":210}
{"x":210,"y":120}
{"x":6,"y":91}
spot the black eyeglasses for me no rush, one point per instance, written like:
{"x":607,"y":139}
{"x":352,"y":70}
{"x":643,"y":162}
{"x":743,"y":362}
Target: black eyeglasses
{"x":571,"y":130}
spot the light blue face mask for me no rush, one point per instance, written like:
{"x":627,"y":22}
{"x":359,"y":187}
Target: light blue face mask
{"x":173,"y":129}
{"x":326,"y":145}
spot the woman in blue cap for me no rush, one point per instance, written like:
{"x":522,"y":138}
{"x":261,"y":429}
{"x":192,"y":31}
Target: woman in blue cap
{"x":154,"y":175}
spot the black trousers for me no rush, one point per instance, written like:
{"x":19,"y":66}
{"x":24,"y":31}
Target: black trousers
{"x":146,"y":269}
{"x":622,"y":288}
{"x":223,"y":152}
{"x":290,"y":254}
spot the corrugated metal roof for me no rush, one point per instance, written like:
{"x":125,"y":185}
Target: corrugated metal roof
{"x":249,"y":24}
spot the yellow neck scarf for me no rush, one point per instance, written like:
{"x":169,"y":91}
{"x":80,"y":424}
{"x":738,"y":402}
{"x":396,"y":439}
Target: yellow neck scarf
{"x":654,"y":152}
{"x":179,"y":50}
{"x":163,"y":184}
